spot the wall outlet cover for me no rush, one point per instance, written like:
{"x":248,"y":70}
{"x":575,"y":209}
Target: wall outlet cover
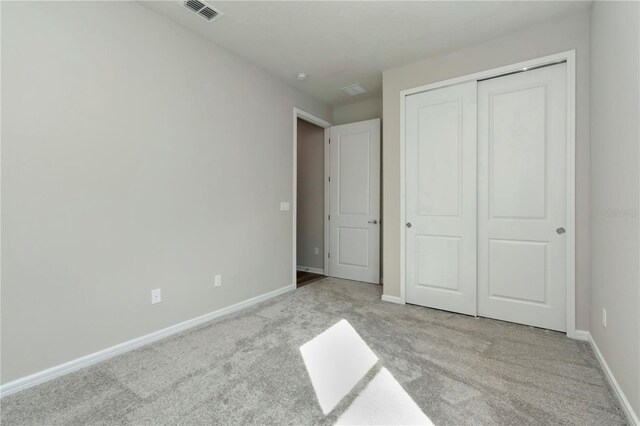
{"x":218,"y":281}
{"x":604,"y":317}
{"x":285,"y":206}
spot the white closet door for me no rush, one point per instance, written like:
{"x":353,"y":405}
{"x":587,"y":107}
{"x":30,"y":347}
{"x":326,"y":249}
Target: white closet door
{"x":522,"y":197}
{"x":354,"y":191}
{"x":441,"y":198}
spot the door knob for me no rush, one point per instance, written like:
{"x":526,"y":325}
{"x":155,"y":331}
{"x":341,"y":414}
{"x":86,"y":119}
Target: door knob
{"x":373,"y":221}
{"x":560,"y":231}
{"x":408,"y":225}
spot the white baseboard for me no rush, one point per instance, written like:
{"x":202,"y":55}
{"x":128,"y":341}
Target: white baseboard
{"x":581,"y":335}
{"x":87,"y":360}
{"x":308,"y":269}
{"x":624,"y":402}
{"x":392,"y":299}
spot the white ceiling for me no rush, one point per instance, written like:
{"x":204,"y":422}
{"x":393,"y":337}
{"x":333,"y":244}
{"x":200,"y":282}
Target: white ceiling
{"x":341,"y":43}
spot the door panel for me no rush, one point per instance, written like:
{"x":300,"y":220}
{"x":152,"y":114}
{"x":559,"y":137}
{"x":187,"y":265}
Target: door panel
{"x":518,"y":154}
{"x":439,"y":157}
{"x":522,"y":197}
{"x":354,"y":173}
{"x":441,"y":198}
{"x":438,"y":262}
{"x":353,"y":246}
{"x":354,"y":189}
{"x":518,"y":270}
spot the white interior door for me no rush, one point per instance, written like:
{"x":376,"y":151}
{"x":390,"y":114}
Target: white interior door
{"x":522,"y":196}
{"x":440,"y":199}
{"x":354,"y":189}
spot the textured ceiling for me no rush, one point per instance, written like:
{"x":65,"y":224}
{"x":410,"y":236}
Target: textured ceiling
{"x":341,"y":43}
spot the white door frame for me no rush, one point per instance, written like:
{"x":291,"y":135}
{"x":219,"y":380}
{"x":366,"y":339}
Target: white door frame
{"x":310,"y":118}
{"x":570,"y":58}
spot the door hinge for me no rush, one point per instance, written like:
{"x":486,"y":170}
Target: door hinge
{"x":329,"y":141}
{"x":329,"y":218}
{"x":329,"y":178}
{"x":328,"y":254}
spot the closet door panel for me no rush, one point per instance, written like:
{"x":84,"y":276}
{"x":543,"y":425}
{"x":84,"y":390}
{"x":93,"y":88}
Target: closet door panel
{"x":522,"y":197}
{"x":441,"y":198}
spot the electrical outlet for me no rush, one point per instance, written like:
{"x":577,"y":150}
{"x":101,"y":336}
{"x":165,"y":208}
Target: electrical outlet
{"x":317,"y":251}
{"x":604,"y":317}
{"x":156,"y":296}
{"x":218,"y":281}
{"x":285,"y":206}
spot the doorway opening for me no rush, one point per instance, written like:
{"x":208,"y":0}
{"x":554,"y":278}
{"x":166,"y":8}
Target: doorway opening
{"x":310,"y":203}
{"x":336,"y":199}
{"x":310,"y":208}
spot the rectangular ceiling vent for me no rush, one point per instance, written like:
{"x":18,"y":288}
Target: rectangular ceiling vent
{"x":354,"y":89}
{"x":204,"y":10}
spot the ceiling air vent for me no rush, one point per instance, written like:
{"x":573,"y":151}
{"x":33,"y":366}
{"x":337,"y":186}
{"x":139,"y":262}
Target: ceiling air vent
{"x":354,"y":89}
{"x":208,"y":13}
{"x":204,"y":10}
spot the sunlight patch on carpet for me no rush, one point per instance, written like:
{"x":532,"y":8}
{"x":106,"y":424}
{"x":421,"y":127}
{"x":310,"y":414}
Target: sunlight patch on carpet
{"x":336,"y":360}
{"x":383,"y":402}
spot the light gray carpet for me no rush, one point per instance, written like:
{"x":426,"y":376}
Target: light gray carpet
{"x":247,"y":369}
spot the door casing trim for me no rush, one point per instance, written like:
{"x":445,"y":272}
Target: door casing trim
{"x":570,"y":58}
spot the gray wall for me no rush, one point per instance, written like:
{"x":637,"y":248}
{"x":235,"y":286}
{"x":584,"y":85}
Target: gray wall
{"x":310,"y":217}
{"x":615,"y":184}
{"x":135,"y":155}
{"x":552,"y":37}
{"x":357,"y":111}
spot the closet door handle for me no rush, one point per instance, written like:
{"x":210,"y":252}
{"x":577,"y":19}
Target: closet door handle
{"x":375,"y":222}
